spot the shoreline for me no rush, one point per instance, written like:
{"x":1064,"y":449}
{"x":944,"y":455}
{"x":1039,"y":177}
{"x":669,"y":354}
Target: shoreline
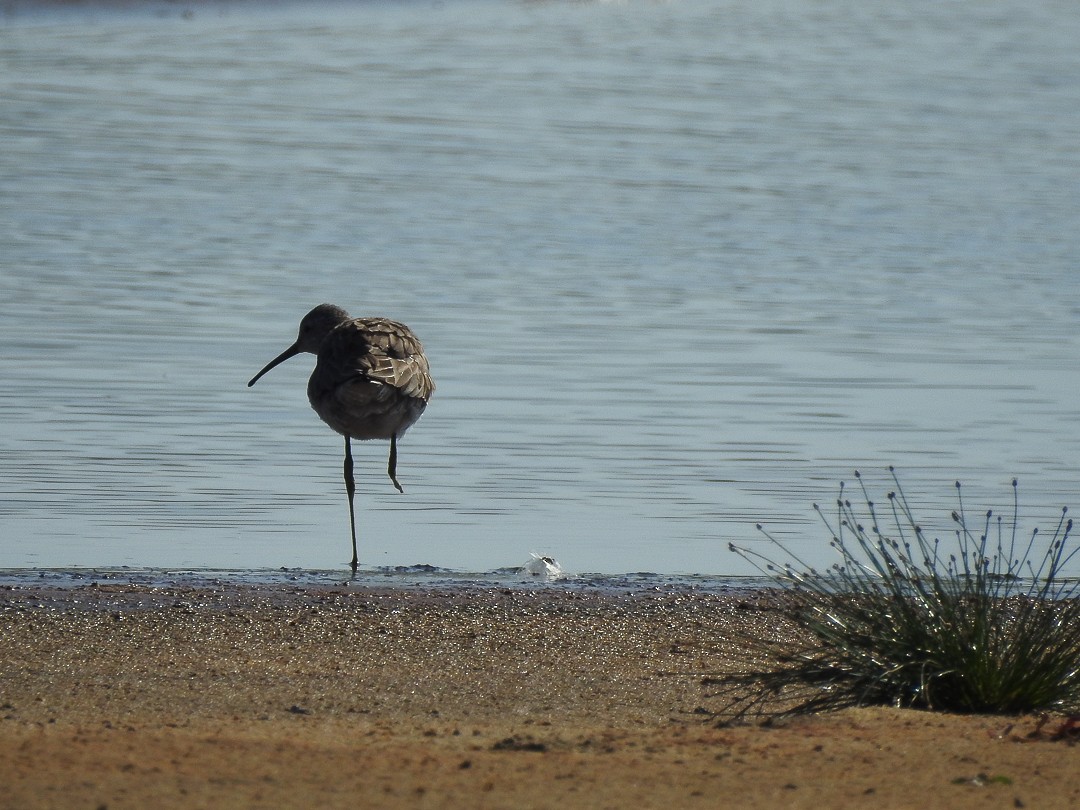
{"x":124,"y":695}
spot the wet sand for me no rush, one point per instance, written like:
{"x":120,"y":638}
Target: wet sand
{"x":271,"y":696}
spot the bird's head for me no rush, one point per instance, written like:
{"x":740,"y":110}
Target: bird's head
{"x":314,"y":329}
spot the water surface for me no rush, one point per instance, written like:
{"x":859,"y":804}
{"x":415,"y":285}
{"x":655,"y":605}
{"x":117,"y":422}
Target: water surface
{"x":679,"y":268}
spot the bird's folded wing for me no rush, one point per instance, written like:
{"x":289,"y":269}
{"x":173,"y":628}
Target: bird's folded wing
{"x":381,"y":351}
{"x":408,"y":375}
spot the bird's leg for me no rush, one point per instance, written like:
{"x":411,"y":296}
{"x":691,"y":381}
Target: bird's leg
{"x":391,"y":466}
{"x":350,"y":490}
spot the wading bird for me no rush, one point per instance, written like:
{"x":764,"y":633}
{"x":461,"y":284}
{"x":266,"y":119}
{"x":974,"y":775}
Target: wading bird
{"x":371,"y":381}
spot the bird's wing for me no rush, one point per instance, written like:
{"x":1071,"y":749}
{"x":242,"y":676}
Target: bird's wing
{"x":382,"y":351}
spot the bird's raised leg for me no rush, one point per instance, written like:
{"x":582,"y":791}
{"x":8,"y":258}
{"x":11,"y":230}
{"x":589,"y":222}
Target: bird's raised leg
{"x":350,"y":490}
{"x":391,"y":465}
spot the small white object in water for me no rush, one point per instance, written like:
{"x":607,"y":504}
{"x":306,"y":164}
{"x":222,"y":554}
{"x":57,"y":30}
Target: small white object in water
{"x":546,"y":567}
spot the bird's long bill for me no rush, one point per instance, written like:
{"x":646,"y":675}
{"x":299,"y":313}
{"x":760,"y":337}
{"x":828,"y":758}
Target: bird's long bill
{"x":292,"y":351}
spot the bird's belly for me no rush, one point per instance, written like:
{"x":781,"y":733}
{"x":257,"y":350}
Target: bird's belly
{"x":367,"y":410}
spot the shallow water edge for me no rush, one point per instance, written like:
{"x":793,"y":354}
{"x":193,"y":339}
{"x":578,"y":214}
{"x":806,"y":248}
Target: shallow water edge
{"x":397,"y":578}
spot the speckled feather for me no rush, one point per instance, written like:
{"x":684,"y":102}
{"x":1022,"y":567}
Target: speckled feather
{"x":371,"y":380}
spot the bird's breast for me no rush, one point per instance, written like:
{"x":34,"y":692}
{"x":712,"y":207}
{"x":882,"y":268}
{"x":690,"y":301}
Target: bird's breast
{"x":365,"y":409}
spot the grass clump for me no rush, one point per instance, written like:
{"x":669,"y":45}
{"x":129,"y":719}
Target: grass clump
{"x":992,"y":626}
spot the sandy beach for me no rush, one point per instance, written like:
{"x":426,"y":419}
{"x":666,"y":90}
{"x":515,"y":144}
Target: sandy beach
{"x":118,"y":696}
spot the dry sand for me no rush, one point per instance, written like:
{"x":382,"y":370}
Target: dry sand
{"x":269,"y":696}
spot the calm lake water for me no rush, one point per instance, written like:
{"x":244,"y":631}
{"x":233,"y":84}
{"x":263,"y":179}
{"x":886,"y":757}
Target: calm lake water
{"x":679,"y":268}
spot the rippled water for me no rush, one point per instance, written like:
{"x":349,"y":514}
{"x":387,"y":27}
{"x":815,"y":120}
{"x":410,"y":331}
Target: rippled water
{"x":679,"y":268}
